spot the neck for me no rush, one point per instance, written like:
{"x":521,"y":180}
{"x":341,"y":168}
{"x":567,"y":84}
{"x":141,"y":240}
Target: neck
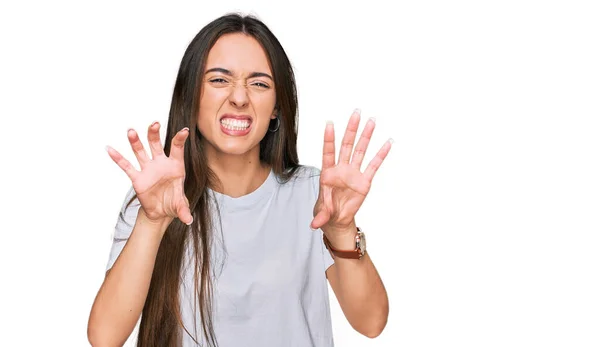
{"x":239,"y":175}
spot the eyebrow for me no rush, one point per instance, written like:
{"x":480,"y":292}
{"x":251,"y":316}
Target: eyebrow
{"x":229,"y":73}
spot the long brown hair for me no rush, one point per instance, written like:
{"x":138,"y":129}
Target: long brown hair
{"x":161,"y":321}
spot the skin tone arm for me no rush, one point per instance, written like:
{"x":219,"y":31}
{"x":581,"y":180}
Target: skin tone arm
{"x":359,"y":290}
{"x":121,"y":297}
{"x":159,"y":188}
{"x":343,"y":188}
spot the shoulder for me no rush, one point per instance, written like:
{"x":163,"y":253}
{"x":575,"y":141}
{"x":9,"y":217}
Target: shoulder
{"x":307,"y":172}
{"x":304,"y":180}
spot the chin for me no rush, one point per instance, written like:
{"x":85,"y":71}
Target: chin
{"x":236,"y":147}
{"x":237,"y":141}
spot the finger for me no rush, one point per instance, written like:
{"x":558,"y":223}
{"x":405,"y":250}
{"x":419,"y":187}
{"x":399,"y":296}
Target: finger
{"x":376,"y":162}
{"x":329,"y":146}
{"x":156,"y":147}
{"x":138,"y":148}
{"x":363,"y":143}
{"x":178,"y":143}
{"x":183,"y":211}
{"x":320,"y":219}
{"x":349,"y":137}
{"x":123,"y":163}
{"x":184,"y":214}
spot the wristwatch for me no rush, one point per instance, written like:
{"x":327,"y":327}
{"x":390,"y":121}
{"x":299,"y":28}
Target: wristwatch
{"x":357,"y":253}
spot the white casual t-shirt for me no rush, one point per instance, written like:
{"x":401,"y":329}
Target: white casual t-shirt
{"x":270,"y":287}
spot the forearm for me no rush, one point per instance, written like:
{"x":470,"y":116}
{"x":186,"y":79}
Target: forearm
{"x":121,"y":298}
{"x":360,"y":290}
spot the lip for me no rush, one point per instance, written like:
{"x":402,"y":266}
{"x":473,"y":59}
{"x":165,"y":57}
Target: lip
{"x":234,"y":116}
{"x":235,"y":132}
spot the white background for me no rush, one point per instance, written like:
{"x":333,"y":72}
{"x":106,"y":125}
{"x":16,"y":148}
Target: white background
{"x":483,"y":221}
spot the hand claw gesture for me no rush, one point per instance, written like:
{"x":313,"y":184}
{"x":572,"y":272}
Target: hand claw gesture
{"x":343,"y":187}
{"x":159,"y":183}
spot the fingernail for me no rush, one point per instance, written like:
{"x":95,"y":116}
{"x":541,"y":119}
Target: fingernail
{"x":311,"y":228}
{"x":107,"y":148}
{"x":190,"y":223}
{"x":329,"y":122}
{"x":153,"y":124}
{"x":186,"y":129}
{"x":372,"y":119}
{"x":391,"y":141}
{"x":357,"y":110}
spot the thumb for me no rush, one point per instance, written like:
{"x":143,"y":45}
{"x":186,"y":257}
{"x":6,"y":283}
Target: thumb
{"x":320,"y":219}
{"x":184,"y":214}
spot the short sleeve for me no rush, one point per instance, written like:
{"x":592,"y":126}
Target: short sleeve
{"x":327,"y":258}
{"x":124,"y":227}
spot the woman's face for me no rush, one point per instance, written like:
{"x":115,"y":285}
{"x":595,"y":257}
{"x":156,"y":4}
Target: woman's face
{"x":237,"y":100}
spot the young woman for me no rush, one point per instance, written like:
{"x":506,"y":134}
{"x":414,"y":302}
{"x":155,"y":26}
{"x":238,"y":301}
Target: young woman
{"x":225,"y":239}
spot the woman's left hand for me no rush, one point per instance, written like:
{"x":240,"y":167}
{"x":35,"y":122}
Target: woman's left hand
{"x":343,"y":187}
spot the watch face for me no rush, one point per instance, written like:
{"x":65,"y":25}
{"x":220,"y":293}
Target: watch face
{"x":362,"y":242}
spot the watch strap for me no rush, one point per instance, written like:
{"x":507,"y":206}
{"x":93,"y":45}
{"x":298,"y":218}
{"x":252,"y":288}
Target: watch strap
{"x":352,"y":254}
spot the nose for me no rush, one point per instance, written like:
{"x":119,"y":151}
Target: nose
{"x":239,"y":96}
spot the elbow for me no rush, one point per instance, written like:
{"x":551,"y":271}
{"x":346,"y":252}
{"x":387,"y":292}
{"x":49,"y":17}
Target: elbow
{"x":97,"y":335}
{"x":374,"y":326}
{"x":102,"y":332}
{"x":373,"y":334}
{"x":374,"y":330}
{"x":94,"y":331}
{"x":370,"y":328}
{"x":94,"y":334}
{"x":94,"y":338}
{"x":97,"y":338}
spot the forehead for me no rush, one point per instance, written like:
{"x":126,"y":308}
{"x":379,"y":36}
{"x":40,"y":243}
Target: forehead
{"x":239,"y":53}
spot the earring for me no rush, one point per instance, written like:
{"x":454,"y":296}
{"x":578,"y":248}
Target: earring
{"x":277,"y":127}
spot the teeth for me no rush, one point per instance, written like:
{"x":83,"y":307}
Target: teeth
{"x":235,"y":124}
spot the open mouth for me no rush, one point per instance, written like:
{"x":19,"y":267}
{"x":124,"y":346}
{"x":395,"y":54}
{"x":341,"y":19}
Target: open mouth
{"x":235,"y":125}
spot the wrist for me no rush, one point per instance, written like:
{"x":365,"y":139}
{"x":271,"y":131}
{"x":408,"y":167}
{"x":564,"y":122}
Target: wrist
{"x":343,"y":238}
{"x":355,"y":251}
{"x":160,"y":225}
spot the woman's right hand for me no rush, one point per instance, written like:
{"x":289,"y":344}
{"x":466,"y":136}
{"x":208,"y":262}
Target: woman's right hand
{"x":159,"y":183}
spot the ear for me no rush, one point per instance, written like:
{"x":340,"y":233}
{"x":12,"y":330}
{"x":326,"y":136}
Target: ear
{"x":275,"y":113}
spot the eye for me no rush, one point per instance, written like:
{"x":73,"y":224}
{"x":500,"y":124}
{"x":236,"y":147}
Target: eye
{"x":261,"y":85}
{"x":218,"y":80}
